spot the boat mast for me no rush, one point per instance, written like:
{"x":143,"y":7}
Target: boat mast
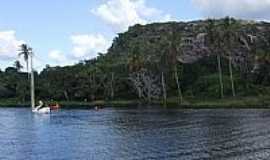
{"x":32,"y":80}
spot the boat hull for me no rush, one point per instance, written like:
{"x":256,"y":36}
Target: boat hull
{"x":55,"y":107}
{"x":45,"y":110}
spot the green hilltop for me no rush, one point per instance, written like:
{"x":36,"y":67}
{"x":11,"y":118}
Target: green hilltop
{"x":206,"y":62}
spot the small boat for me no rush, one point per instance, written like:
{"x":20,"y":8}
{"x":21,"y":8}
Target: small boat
{"x":55,"y":106}
{"x":45,"y":110}
{"x":41,"y":109}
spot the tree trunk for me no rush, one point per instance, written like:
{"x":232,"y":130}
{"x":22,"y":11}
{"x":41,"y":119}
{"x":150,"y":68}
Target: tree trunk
{"x":220,"y":77}
{"x":94,"y":88}
{"x":139,"y":93}
{"x":112,"y":86}
{"x":149,"y":95}
{"x":180,"y":95}
{"x":32,"y":83}
{"x":231,"y":76}
{"x":246,"y":75}
{"x":66,"y":95}
{"x":164,"y":88}
{"x":27,"y":69}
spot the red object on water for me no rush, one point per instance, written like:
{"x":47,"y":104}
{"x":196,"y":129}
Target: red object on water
{"x":54,"y":107}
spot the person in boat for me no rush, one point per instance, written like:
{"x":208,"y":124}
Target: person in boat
{"x":97,"y":108}
{"x":54,"y":106}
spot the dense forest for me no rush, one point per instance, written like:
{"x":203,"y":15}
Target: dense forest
{"x":180,"y":61}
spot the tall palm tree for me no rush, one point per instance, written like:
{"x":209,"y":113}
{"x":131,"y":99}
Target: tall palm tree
{"x":173,"y":50}
{"x":27,"y":53}
{"x":167,"y":55}
{"x":229,"y":36}
{"x":214,"y":45}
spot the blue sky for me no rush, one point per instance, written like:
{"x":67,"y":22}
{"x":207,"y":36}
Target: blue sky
{"x":62,"y":32}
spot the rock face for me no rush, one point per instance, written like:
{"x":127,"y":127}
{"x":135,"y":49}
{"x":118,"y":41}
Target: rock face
{"x":193,"y":48}
{"x":191,"y":41}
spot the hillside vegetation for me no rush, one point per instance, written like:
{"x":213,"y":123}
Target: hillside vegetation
{"x":161,"y":62}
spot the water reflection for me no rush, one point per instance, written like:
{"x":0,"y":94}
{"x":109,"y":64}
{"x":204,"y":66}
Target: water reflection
{"x":135,"y":134}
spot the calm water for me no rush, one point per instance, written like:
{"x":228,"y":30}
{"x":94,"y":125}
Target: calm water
{"x":129,"y":134}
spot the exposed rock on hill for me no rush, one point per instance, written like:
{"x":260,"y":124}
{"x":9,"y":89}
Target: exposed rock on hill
{"x":191,"y":40}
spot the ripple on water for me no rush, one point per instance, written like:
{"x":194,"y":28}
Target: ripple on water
{"x":135,"y":134}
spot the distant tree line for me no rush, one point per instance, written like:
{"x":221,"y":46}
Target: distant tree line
{"x":203,"y":59}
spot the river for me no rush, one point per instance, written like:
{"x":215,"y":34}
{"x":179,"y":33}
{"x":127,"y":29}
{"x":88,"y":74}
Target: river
{"x":135,"y":134}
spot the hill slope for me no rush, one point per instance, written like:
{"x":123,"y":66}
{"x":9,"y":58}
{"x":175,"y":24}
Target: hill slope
{"x":193,"y":60}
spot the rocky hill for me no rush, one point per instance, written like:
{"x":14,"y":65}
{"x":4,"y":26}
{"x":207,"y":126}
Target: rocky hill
{"x":191,"y":41}
{"x":203,"y":59}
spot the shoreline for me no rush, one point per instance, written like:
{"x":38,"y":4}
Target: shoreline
{"x":172,"y":103}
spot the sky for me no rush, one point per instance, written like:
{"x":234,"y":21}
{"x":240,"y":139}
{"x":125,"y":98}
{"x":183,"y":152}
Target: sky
{"x":63,"y":32}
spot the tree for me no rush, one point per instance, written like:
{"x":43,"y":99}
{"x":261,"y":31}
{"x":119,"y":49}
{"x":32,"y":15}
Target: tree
{"x":173,"y":60}
{"x":179,"y":90}
{"x":229,"y":37}
{"x":25,"y":52}
{"x":164,"y":90}
{"x":156,"y":62}
{"x":146,"y":85}
{"x":215,"y":45}
{"x":262,"y":67}
{"x":18,"y":65}
{"x":164,"y":67}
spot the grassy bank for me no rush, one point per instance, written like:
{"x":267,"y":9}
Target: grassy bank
{"x":75,"y":104}
{"x":239,"y":102}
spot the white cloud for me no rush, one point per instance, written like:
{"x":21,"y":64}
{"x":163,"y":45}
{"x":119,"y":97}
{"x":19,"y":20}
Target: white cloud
{"x":9,"y":45}
{"x":38,"y":64}
{"x":84,"y":46}
{"x":9,"y":49}
{"x":248,"y":9}
{"x":120,"y":14}
{"x":59,"y":58}
{"x":87,"y":46}
{"x":166,"y":18}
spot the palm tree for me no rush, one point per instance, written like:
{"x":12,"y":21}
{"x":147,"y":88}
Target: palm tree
{"x":173,"y":60}
{"x":220,"y":76}
{"x":180,"y":93}
{"x":229,"y":38}
{"x":25,"y":52}
{"x":18,"y":65}
{"x":164,"y":90}
{"x":164,"y":61}
{"x":214,"y":45}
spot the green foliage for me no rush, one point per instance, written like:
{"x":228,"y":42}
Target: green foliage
{"x":157,"y":48}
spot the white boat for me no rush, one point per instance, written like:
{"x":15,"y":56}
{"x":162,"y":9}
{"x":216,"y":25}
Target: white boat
{"x":45,"y":110}
{"x":40,"y":108}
